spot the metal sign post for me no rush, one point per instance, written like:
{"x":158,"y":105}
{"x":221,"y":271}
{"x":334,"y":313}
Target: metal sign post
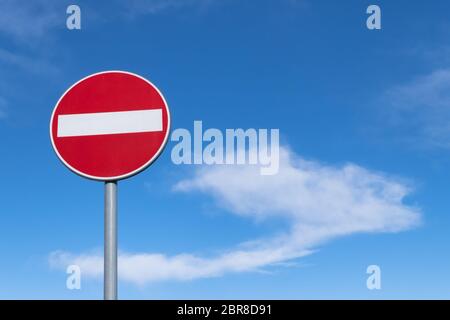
{"x":110,"y":255}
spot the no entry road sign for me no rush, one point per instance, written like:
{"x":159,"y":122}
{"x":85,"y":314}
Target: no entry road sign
{"x":110,"y":125}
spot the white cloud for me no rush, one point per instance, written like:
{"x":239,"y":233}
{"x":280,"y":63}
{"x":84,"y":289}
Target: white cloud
{"x":319,"y":202}
{"x":423,"y":107}
{"x":347,"y":199}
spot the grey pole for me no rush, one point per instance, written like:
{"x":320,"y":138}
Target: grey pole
{"x":110,"y":255}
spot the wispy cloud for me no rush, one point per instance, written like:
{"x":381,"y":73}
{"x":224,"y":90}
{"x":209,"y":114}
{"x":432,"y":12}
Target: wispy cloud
{"x":3,"y":105}
{"x":423,"y":107}
{"x":29,"y":19}
{"x":32,"y":21}
{"x":26,"y":63}
{"x":319,"y":202}
{"x":36,"y":18}
{"x":142,"y":7}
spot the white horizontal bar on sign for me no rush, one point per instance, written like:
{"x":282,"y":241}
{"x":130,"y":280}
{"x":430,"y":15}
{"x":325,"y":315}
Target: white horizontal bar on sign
{"x":91,"y":124}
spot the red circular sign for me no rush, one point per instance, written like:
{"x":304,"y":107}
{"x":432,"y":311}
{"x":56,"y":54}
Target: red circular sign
{"x":110,"y":125}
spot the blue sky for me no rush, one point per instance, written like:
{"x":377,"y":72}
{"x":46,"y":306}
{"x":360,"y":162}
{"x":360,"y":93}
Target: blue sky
{"x":364,"y":111}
